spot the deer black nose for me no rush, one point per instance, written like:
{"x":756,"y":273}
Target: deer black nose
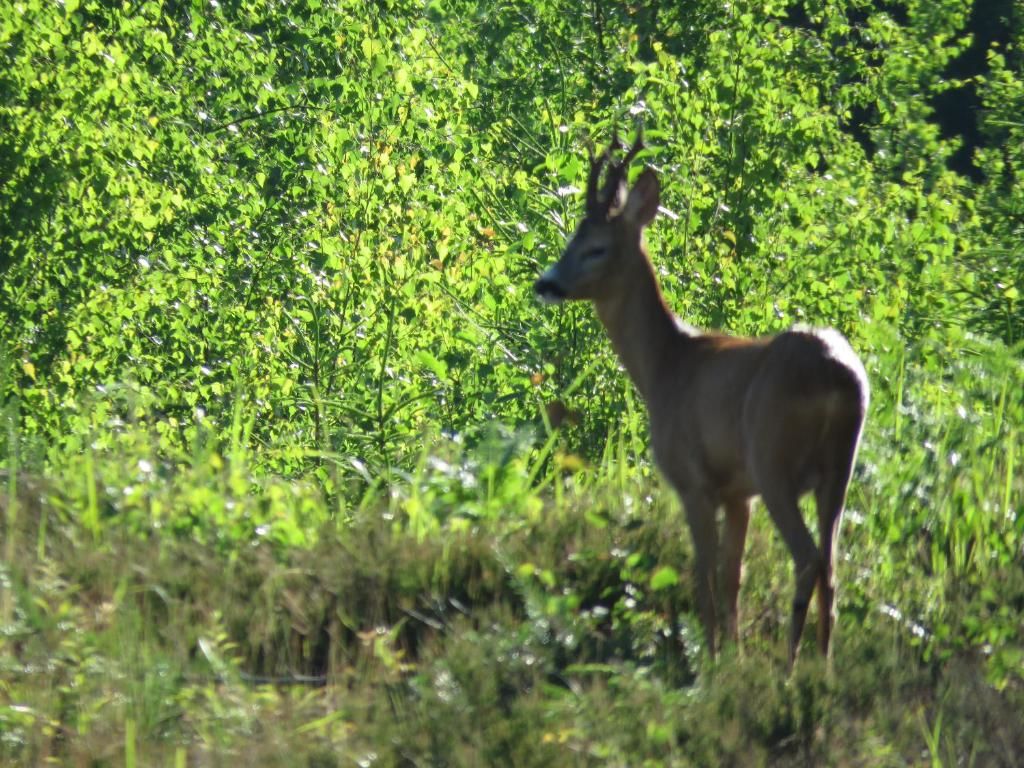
{"x":548,"y":289}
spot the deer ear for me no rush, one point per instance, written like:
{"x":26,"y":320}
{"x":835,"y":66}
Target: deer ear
{"x":642,"y":203}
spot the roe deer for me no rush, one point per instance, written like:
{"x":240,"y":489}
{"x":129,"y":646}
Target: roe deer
{"x":730,"y":418}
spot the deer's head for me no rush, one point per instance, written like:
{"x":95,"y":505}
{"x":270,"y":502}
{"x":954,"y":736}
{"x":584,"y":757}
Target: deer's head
{"x":608,"y":240}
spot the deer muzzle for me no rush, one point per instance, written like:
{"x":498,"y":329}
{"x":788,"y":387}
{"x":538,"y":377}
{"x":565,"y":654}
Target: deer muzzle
{"x":549,"y":289}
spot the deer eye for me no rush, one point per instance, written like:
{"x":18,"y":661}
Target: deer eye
{"x":597,"y":252}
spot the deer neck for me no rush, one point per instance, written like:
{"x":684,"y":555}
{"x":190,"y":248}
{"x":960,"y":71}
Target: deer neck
{"x":640,"y":326}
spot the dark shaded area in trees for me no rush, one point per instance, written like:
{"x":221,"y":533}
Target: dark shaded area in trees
{"x":956,"y":110}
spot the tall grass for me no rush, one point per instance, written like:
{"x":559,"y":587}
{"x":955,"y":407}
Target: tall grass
{"x":512,"y":600}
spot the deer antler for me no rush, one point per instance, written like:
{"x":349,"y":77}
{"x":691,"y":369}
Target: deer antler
{"x":596,"y":166}
{"x":617,"y":171}
{"x":599,"y":202}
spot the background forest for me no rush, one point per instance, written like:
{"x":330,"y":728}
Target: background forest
{"x":296,"y":471}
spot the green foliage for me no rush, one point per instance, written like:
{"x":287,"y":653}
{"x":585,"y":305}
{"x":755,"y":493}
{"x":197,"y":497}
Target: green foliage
{"x":277,"y":403}
{"x":327,"y":215}
{"x":469,"y":644}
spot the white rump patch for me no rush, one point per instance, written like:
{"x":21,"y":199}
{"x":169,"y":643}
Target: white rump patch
{"x":685,"y":328}
{"x":839,"y":349}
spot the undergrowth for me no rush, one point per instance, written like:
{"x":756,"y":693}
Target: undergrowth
{"x":517,"y":626}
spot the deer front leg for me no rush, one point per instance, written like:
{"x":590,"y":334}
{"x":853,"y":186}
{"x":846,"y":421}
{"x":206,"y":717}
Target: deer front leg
{"x":700,"y":515}
{"x":737,"y":515}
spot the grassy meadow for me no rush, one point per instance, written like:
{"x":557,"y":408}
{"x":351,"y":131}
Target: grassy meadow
{"x":295,"y":471}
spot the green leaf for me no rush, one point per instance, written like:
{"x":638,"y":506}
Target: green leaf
{"x":435,"y":366}
{"x":666,"y":576}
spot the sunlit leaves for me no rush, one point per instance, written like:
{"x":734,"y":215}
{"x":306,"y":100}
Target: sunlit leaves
{"x":339,"y":210}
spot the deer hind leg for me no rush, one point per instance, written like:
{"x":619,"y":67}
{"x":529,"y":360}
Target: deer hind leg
{"x":830,"y":498}
{"x":737,"y":515}
{"x":700,"y":516}
{"x":784,"y":508}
